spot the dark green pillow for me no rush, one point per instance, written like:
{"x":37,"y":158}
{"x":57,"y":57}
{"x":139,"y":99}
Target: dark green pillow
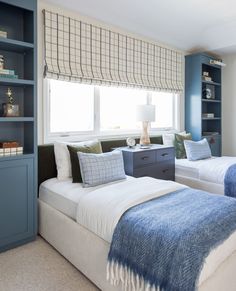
{"x":180,"y":152}
{"x":93,"y":147}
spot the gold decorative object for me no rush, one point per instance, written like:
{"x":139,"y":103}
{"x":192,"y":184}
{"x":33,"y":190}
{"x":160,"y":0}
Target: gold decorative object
{"x":10,"y":109}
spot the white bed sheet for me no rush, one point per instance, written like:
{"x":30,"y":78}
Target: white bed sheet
{"x":190,"y":169}
{"x":65,"y":195}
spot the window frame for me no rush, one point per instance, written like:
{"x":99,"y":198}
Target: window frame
{"x":97,"y":132}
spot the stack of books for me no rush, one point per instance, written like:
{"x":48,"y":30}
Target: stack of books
{"x":10,"y":148}
{"x":208,"y":115}
{"x":3,"y":33}
{"x":4,"y":73}
{"x":206,"y":77}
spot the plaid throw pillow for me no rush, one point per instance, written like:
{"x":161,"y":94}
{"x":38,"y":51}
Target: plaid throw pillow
{"x":98,"y":169}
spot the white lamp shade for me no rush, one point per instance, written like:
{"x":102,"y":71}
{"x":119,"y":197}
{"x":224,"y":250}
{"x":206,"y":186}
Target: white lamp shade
{"x":145,"y":113}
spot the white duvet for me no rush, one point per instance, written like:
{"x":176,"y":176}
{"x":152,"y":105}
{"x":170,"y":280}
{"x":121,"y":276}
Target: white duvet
{"x":210,"y":170}
{"x":100,"y":210}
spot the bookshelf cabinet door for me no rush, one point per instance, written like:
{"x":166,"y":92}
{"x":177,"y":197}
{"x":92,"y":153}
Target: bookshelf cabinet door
{"x":17,"y":202}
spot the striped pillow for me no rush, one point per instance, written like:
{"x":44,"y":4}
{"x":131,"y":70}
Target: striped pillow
{"x":98,"y":169}
{"x":197,"y":150}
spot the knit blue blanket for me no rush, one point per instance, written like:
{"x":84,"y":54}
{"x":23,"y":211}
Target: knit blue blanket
{"x":162,"y":243}
{"x":230,"y":181}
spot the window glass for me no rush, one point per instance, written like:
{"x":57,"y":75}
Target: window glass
{"x":164,"y":103}
{"x":118,"y":108}
{"x":71,"y":107}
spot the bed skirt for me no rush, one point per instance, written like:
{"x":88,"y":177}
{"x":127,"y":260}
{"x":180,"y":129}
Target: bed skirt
{"x":88,"y":253}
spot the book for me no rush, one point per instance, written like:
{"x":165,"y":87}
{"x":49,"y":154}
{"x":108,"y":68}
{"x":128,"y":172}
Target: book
{"x":3,"y":34}
{"x":8,"y":76}
{"x":208,"y":115}
{"x":4,"y":152}
{"x":207,"y":133}
{"x":7,"y":72}
{"x":9,"y":144}
{"x":208,"y":79}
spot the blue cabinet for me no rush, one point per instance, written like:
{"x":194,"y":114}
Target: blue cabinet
{"x":17,"y":202}
{"x":203,"y":100}
{"x":18,"y":170}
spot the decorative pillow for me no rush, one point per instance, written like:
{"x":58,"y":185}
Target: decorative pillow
{"x":180,"y":152}
{"x":197,"y":150}
{"x":93,"y":146}
{"x":169,"y":138}
{"x":97,"y":169}
{"x":62,"y":158}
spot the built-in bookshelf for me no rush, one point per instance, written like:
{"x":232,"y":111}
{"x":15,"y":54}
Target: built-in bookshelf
{"x":203,"y":100}
{"x":18,"y":75}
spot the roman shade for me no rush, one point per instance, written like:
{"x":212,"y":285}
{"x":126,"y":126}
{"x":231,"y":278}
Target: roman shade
{"x":83,"y":52}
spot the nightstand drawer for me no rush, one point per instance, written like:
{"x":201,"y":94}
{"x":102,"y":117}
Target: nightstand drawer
{"x":166,"y":171}
{"x":164,"y":154}
{"x":144,"y":158}
{"x":162,"y":170}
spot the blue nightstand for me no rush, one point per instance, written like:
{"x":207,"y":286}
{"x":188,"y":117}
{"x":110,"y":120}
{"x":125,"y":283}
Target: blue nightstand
{"x":158,"y":161}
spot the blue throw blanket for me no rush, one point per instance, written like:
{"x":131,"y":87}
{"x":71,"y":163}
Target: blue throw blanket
{"x":230,"y":182}
{"x":163,"y":243}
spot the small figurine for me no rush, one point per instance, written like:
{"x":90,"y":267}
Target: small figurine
{"x":10,"y":109}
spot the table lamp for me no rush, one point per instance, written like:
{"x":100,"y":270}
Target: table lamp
{"x":146,"y":114}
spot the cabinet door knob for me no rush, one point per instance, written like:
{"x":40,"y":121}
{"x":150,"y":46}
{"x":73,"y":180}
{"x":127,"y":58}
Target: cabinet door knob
{"x":164,"y":171}
{"x":164,"y":154}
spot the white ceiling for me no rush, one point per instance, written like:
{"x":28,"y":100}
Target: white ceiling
{"x":191,"y":25}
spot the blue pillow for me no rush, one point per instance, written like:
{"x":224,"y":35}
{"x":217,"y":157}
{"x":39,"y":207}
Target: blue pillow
{"x":97,"y":169}
{"x":197,"y":150}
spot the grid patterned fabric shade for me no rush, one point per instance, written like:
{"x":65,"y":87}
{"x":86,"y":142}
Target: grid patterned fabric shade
{"x":82,"y":52}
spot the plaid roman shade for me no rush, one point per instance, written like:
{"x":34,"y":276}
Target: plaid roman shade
{"x":82,"y":52}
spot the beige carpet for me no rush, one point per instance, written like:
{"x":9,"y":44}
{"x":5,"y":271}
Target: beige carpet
{"x":38,"y":267}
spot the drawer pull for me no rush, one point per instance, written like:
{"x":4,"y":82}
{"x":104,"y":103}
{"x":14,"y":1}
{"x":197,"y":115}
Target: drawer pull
{"x":145,"y":158}
{"x":165,"y":171}
{"x":165,"y":154}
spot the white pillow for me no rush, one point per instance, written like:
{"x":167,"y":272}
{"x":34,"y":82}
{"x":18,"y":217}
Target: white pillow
{"x":62,"y":157}
{"x":63,"y":163}
{"x":169,"y":138}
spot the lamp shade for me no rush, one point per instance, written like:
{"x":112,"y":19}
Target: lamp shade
{"x":145,"y":113}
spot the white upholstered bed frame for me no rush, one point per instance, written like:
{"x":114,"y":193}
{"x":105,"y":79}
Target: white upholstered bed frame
{"x":88,"y":253}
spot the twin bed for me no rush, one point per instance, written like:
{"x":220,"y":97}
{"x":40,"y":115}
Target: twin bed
{"x":66,"y":221}
{"x":207,"y":174}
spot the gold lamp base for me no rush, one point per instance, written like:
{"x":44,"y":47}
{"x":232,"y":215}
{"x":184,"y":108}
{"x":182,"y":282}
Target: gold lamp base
{"x":144,"y":139}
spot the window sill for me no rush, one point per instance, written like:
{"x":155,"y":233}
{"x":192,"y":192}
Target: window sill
{"x":103,"y":135}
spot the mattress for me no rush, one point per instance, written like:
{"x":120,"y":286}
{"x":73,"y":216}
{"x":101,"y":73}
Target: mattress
{"x":65,"y":195}
{"x":190,"y":169}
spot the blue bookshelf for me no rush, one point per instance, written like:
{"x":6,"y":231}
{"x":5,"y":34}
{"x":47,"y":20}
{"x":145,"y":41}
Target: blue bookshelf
{"x":18,"y":173}
{"x":203,"y":97}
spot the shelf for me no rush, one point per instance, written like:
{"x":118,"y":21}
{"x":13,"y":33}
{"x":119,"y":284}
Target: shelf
{"x":211,"y":100}
{"x":16,"y":82}
{"x":16,"y":119}
{"x":14,"y":45}
{"x":215,"y":118}
{"x":211,"y":83}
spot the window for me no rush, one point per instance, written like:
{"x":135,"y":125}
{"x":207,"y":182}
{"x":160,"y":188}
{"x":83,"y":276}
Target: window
{"x":74,"y":109}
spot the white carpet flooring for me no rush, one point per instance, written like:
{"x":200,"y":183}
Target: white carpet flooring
{"x":38,"y":267}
